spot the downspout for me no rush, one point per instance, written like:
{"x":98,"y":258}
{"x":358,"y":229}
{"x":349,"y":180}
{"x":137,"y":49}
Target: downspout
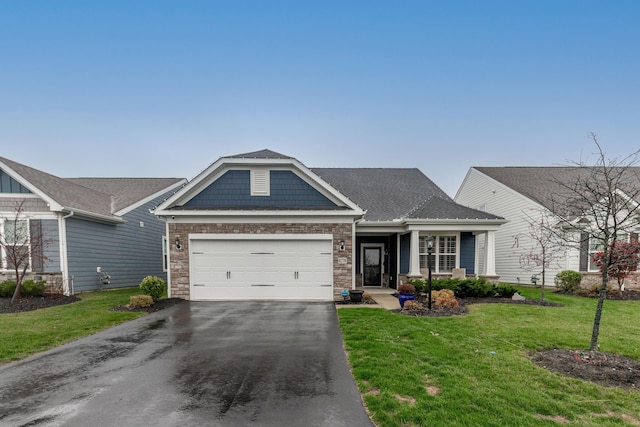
{"x":64,"y":263}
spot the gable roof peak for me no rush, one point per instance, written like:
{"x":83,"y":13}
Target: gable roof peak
{"x":261,"y":154}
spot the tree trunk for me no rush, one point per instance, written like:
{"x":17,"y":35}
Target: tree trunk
{"x":596,"y":321}
{"x":19,"y":279}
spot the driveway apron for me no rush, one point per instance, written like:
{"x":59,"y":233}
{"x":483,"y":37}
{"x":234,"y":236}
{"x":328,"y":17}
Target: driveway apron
{"x":195,"y":364}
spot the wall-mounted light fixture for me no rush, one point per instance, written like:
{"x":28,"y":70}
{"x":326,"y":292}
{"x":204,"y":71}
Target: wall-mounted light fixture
{"x":178,"y":245}
{"x":341,"y":243}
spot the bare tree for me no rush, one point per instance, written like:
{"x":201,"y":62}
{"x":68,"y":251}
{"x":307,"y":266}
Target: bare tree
{"x":23,"y":245}
{"x":599,"y":204}
{"x":538,"y":247}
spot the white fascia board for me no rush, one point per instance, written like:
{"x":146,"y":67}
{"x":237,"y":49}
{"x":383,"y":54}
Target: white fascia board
{"x":449,"y":225}
{"x":256,"y":213}
{"x":53,"y":205}
{"x":90,"y":216}
{"x":241,"y":219}
{"x":150,"y":198}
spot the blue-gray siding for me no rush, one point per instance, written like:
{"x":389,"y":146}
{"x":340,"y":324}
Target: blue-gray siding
{"x":128,"y":252}
{"x":10,"y":185}
{"x":405,"y":248}
{"x":233,"y":189}
{"x":51,"y":250}
{"x":468,"y":252}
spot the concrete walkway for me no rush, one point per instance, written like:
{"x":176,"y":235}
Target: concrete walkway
{"x":382,"y":296}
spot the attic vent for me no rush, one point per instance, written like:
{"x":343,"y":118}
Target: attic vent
{"x":260,"y":185}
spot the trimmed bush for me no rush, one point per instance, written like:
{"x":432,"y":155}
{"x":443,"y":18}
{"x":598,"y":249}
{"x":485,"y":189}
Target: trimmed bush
{"x":406,"y":288}
{"x":505,"y":291}
{"x":29,"y":288}
{"x":153,"y":286}
{"x":141,"y":301}
{"x":444,"y":298}
{"x":568,"y":281}
{"x":412,"y":305}
{"x":7,"y":288}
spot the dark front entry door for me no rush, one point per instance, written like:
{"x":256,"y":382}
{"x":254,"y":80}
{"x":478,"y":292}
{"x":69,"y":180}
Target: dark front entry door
{"x":372,"y":267}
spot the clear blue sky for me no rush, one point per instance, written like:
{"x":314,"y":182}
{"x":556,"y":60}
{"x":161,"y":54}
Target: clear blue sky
{"x":164,"y":88}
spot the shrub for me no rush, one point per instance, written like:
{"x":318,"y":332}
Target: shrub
{"x":444,"y":298}
{"x":31,"y":288}
{"x":153,"y":286}
{"x":568,"y":281}
{"x":465,"y":288}
{"x":419,"y":285}
{"x":406,"y":288}
{"x":412,"y":305}
{"x":140,"y":301}
{"x":7,"y":288}
{"x":505,"y":291}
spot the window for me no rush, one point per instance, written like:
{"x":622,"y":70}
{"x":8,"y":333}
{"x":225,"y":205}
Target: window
{"x":16,"y":249}
{"x":444,"y":255}
{"x":597,"y":245}
{"x":165,"y":259}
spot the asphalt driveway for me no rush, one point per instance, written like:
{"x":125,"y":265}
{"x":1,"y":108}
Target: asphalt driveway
{"x":195,"y":364}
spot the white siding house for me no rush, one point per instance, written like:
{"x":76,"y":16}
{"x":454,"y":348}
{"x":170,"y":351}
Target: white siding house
{"x":483,"y":192}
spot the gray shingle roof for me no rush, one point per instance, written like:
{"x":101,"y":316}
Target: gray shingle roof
{"x":262,"y":154}
{"x":126,"y":191}
{"x":393,"y":193}
{"x":101,"y":196}
{"x":542,"y":184}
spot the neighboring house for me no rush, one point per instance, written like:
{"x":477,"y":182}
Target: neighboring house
{"x":264,"y":226}
{"x":520,"y":194}
{"x":91,"y":223}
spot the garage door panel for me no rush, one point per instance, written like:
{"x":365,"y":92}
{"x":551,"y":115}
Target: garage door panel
{"x":261,"y":269}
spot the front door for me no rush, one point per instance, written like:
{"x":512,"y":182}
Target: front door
{"x":372,"y":266}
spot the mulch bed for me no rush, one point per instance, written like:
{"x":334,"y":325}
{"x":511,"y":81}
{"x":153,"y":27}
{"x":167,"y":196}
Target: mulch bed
{"x":602,"y":368}
{"x":464,"y":302}
{"x":628,"y":295}
{"x":34,"y":303}
{"x":158,"y":305}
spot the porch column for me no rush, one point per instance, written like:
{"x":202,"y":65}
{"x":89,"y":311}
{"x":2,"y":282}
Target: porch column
{"x":414,"y":259}
{"x":490,"y":253}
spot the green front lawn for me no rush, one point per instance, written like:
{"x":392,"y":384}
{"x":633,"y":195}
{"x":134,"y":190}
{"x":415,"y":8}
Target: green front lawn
{"x":473,"y":371}
{"x":22,"y":334}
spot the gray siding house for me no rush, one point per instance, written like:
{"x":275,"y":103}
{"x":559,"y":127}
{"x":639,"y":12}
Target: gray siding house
{"x":94,"y":226}
{"x":262,"y":225}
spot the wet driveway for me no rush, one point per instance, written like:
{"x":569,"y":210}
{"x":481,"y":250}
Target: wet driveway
{"x":195,"y":364}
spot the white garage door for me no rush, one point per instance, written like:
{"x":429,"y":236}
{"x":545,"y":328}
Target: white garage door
{"x":261,"y":269}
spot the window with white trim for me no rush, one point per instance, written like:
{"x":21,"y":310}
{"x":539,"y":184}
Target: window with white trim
{"x":444,"y":256}
{"x":16,"y":243}
{"x":165,"y":250}
{"x":597,"y":245}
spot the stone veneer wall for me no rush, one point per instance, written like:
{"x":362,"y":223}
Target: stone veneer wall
{"x":632,"y":281}
{"x":179,"y":259}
